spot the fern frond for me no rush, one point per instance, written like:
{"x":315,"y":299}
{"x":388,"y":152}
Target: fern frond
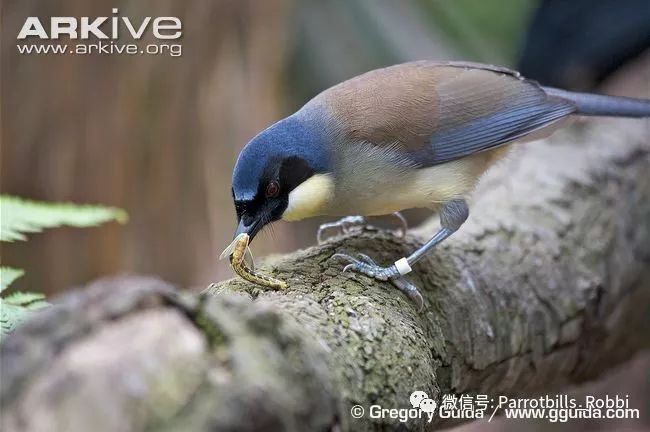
{"x":8,"y":275}
{"x":19,"y":216}
{"x":17,"y":306}
{"x":24,"y":299}
{"x":12,"y":314}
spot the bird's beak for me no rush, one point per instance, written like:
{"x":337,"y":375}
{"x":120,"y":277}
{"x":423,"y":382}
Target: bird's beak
{"x":251,"y":229}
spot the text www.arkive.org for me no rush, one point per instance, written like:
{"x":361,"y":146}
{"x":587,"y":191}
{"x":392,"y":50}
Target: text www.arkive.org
{"x":101,"y":48}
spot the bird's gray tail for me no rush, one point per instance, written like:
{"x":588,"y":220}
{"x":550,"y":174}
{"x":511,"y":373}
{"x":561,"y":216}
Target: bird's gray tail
{"x":600,"y":105}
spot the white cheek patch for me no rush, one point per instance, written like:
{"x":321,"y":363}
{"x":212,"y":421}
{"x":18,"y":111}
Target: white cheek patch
{"x":310,"y":198}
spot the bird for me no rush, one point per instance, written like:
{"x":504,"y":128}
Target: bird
{"x":412,"y":135}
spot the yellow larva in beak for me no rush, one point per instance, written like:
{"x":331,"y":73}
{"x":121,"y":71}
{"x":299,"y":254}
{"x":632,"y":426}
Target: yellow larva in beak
{"x":241,"y":261}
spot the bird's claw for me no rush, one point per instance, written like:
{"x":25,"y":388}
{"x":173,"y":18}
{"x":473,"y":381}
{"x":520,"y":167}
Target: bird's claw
{"x":404,"y":226}
{"x":347,"y":224}
{"x":410,"y":290}
{"x":366,"y":265}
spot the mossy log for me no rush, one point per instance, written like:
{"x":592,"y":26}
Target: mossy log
{"x":547,"y":285}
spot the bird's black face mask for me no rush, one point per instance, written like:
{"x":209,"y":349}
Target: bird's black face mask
{"x":279,"y":178}
{"x":253,"y":215}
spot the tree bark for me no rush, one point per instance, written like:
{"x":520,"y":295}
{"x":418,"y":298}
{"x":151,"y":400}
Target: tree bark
{"x":547,"y":285}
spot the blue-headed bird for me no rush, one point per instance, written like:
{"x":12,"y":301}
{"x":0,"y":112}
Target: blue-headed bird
{"x":418,"y":134}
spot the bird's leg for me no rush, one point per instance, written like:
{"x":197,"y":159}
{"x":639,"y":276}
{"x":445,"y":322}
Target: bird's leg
{"x":452,"y":215}
{"x":348,"y":223}
{"x":403,"y":224}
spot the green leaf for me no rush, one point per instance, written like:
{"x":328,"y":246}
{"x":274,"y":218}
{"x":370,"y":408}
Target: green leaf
{"x":8,"y":275}
{"x":19,"y":216}
{"x":17,"y":306}
{"x":11,"y":314}
{"x":26,"y":299}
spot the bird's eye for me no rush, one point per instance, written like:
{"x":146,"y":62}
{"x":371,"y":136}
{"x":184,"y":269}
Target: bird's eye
{"x":272,"y":189}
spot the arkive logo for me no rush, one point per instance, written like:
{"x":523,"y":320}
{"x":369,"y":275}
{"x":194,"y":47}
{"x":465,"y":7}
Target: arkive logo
{"x":103,"y":28}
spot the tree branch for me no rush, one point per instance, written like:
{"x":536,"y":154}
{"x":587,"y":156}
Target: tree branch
{"x":547,"y":285}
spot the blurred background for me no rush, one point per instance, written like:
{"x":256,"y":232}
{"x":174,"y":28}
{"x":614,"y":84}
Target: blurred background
{"x":158,"y":135}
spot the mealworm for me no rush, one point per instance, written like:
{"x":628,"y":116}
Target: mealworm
{"x":238,"y":251}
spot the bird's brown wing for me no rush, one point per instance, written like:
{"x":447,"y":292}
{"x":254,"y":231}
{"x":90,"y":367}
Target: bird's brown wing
{"x":438,"y":112}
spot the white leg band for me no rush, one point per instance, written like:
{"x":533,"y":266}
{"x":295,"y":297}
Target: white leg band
{"x":403,"y":266}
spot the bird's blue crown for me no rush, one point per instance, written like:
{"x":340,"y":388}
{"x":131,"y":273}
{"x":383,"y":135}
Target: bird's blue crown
{"x":296,"y":135}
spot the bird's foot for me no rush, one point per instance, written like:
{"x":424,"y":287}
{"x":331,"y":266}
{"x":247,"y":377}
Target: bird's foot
{"x":349,"y":223}
{"x":366,"y":265}
{"x":344,"y":225}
